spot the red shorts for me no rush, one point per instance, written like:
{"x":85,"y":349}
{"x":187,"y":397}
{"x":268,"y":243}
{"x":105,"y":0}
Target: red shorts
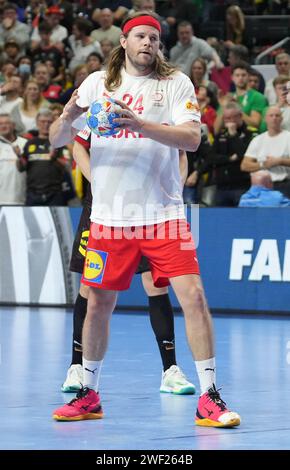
{"x":113,"y":254}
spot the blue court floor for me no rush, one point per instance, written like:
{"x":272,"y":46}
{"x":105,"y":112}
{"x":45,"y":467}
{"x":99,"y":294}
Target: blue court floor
{"x":253,"y":370}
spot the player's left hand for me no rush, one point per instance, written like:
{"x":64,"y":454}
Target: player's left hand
{"x":270,"y":162}
{"x":128,"y":120}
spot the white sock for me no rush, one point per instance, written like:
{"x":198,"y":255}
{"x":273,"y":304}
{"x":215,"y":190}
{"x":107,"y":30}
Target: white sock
{"x":91,"y":374}
{"x":206,"y":374}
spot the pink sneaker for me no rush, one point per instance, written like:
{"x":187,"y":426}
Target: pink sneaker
{"x":86,"y":405}
{"x":212,"y":411}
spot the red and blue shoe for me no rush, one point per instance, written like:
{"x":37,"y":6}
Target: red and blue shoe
{"x":212,"y":411}
{"x":86,"y":405}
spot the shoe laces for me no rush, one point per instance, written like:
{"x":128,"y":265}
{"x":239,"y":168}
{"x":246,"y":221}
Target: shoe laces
{"x":75,"y":372}
{"x":214,"y":396}
{"x":176,"y":371}
{"x":82,"y":393}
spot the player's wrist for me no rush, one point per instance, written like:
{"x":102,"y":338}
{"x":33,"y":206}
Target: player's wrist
{"x":141,"y":125}
{"x":261,"y":165}
{"x":66,"y":119}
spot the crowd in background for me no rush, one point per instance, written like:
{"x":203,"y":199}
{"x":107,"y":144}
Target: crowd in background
{"x":47,"y":49}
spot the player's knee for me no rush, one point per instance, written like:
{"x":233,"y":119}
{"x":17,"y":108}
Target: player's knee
{"x":101,"y":303}
{"x":197,"y":299}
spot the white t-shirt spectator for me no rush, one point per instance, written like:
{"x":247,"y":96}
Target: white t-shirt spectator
{"x":12,"y":182}
{"x":80,"y":52}
{"x":277,"y":146}
{"x":6,"y":106}
{"x":59,"y":33}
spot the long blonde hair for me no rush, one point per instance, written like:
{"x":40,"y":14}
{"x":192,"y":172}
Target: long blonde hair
{"x":235,"y":31}
{"x":113,"y":78}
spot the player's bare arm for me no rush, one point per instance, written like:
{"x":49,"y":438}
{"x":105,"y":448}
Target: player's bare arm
{"x":61,"y":131}
{"x":183,"y":166}
{"x":82,"y":158}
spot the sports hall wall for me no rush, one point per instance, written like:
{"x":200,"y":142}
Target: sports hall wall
{"x":244,"y":258}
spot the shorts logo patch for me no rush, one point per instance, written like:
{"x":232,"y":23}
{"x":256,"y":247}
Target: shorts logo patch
{"x":95,"y":265}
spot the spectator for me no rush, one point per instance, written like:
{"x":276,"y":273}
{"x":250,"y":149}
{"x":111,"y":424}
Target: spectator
{"x":44,"y":166}
{"x":11,"y":51}
{"x":194,"y":184}
{"x":10,"y":94}
{"x":8,"y":69}
{"x":34,"y":12}
{"x":235,"y":26}
{"x":53,"y":16}
{"x":251,"y":101}
{"x":81,"y":43}
{"x":56,"y":74}
{"x":223,"y":78}
{"x":107,"y":46}
{"x":11,"y":28}
{"x":189,"y":48}
{"x":254,"y":79}
{"x":94,"y":62}
{"x":24,"y":67}
{"x":46,"y":50}
{"x":198,"y":76}
{"x":176,"y":11}
{"x":282,"y":63}
{"x":261,"y":193}
{"x":280,"y":83}
{"x":107,"y":30}
{"x":79,"y":74}
{"x":227,"y":153}
{"x":12,"y":183}
{"x":208,"y":113}
{"x":24,"y":114}
{"x":50,"y":91}
{"x":69,"y":9}
{"x":120,"y":9}
{"x":271,"y":150}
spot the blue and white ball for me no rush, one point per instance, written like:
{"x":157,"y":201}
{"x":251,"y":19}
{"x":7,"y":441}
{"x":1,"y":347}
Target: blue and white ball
{"x":101,"y":115}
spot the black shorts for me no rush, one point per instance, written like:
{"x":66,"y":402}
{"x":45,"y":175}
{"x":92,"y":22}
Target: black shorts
{"x":81,"y":241}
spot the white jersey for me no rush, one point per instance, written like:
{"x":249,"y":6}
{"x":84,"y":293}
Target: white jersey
{"x":136,"y":180}
{"x":12,"y":182}
{"x":277,"y":146}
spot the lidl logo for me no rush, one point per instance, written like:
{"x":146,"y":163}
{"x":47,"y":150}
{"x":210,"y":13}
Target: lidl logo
{"x":95,"y":264}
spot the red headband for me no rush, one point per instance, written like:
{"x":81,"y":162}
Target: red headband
{"x":140,"y":21}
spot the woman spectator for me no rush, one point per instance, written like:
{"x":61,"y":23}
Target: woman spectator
{"x":198,"y":76}
{"x":208,"y":113}
{"x":24,"y":114}
{"x":24,"y":66}
{"x":235,"y":26}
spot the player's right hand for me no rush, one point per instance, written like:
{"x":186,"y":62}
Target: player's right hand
{"x":72,"y":111}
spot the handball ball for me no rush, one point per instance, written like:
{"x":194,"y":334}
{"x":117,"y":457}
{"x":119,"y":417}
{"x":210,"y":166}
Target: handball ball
{"x":101,"y":115}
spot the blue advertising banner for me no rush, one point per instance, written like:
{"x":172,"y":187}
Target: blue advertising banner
{"x":244,"y":257}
